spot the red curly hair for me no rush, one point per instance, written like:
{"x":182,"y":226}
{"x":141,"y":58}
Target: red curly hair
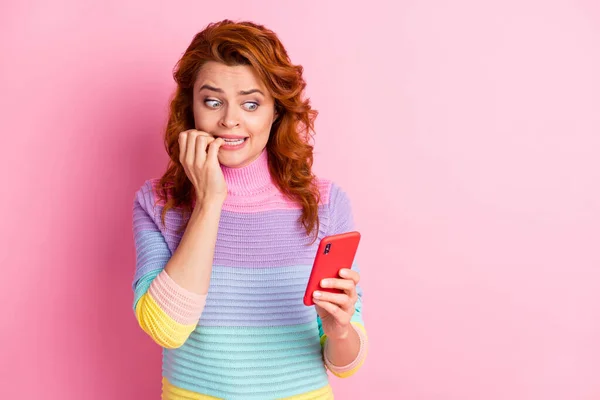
{"x":290,"y":154}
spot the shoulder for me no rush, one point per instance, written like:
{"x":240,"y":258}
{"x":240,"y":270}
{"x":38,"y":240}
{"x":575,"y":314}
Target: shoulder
{"x":147,"y":197}
{"x":146,"y":193}
{"x":332,"y":194}
{"x":338,"y":207}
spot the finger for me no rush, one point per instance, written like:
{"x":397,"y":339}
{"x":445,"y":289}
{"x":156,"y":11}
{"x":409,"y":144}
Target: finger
{"x":342,"y":284}
{"x":350,"y":274}
{"x":190,"y":153}
{"x":340,"y":316}
{"x":343,"y":301}
{"x":213,"y":150}
{"x":201,"y":144}
{"x":182,"y":146}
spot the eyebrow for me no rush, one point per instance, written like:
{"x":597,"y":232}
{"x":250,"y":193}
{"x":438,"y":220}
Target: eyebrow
{"x":241,"y":92}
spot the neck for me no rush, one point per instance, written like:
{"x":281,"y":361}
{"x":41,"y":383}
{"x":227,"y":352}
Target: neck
{"x":250,"y":179}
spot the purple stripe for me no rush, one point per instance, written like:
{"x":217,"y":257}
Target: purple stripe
{"x":257,"y":297}
{"x":152,"y":252}
{"x":265,"y":239}
{"x":341,"y":218}
{"x":261,"y":265}
{"x":262,"y":239}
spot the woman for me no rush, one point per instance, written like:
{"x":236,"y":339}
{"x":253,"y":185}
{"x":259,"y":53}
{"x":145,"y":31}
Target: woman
{"x":225,"y":240}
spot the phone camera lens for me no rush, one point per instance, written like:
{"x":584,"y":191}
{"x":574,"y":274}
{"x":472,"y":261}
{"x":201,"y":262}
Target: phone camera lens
{"x":327,"y":247}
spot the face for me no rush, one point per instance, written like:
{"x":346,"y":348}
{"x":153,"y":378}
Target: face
{"x":234,"y":104}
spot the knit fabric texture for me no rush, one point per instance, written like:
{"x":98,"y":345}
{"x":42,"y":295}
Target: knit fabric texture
{"x":251,"y":337}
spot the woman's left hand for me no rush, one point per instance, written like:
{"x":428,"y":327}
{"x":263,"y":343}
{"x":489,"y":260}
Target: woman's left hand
{"x":336,"y":309}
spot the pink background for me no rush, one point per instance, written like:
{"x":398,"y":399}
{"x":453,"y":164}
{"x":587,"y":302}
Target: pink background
{"x":467,"y":134}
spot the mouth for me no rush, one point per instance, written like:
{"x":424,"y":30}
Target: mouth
{"x":233,"y":141}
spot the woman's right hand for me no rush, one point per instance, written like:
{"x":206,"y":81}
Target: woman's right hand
{"x":198,"y":155}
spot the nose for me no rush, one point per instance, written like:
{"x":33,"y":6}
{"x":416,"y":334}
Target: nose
{"x":230,"y":118}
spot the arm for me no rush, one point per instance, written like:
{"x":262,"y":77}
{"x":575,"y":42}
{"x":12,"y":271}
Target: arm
{"x":171,"y":290}
{"x":345,"y":353}
{"x":169,"y":293}
{"x":191,"y":264}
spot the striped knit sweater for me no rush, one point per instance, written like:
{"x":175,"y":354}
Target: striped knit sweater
{"x":251,"y":337}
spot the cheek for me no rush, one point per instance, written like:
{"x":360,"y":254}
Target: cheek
{"x":204,"y":120}
{"x":260,"y":127}
{"x":197,"y":114}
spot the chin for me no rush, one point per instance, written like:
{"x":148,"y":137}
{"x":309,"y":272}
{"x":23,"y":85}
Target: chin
{"x":233,"y":160}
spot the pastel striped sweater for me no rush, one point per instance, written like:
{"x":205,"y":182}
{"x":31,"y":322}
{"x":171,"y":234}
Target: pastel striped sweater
{"x":251,"y":337}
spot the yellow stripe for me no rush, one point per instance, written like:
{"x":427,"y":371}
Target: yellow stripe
{"x":349,"y":373}
{"x":162,"y":329}
{"x":323,"y":340}
{"x":324,"y":393}
{"x":171,"y":392}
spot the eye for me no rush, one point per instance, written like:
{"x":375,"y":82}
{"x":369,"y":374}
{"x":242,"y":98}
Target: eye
{"x":251,"y":105}
{"x":212,"y":103}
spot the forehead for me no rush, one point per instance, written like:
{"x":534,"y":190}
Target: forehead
{"x":239,"y":77}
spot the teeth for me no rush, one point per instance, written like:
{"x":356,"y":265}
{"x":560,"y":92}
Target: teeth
{"x":234,"y":141}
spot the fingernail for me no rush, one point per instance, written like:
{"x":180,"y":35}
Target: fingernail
{"x":317,"y":294}
{"x":324,"y":282}
{"x":344,"y":272}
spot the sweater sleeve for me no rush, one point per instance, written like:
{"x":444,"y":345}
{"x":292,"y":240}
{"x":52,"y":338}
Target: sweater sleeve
{"x":167,"y":312}
{"x":341,"y":220}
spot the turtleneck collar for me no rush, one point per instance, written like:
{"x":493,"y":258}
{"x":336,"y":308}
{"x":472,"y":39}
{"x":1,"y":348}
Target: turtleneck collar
{"x":253,"y":178}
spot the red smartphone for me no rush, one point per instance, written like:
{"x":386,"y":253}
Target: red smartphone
{"x":335,"y":252}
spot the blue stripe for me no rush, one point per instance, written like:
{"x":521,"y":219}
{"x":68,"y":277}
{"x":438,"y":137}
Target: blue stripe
{"x":248,"y":363}
{"x":152,"y":252}
{"x":143,"y":285}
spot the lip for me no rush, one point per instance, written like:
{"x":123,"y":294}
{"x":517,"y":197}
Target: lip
{"x":226,"y":146}
{"x":230,"y":137}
